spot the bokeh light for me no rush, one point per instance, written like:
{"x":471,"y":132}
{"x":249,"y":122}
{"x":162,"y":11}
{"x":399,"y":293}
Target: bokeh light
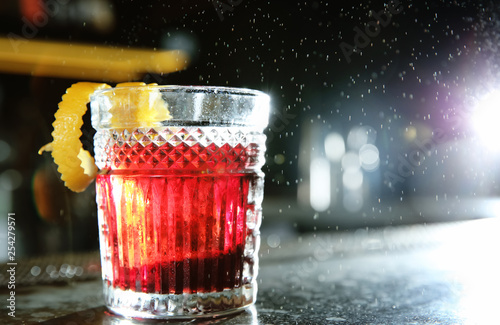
{"x":486,"y":121}
{"x":334,"y":146}
{"x":369,"y":157}
{"x":320,"y":184}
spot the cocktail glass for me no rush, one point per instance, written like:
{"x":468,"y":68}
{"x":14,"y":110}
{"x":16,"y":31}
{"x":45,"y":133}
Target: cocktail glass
{"x":179,"y":198}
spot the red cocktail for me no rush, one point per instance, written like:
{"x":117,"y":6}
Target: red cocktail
{"x":173,"y":226}
{"x":179,"y":211}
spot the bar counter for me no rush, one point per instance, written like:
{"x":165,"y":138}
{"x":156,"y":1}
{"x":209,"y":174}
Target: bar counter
{"x":446,"y":273}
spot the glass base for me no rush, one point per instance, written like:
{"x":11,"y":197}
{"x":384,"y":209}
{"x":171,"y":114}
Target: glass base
{"x":178,"y":306}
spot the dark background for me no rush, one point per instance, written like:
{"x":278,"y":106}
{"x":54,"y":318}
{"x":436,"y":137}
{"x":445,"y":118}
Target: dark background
{"x":412,"y":84}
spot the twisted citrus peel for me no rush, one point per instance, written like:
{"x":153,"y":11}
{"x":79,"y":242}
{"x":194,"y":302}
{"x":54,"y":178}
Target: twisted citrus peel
{"x":75,"y":164}
{"x":145,"y":108}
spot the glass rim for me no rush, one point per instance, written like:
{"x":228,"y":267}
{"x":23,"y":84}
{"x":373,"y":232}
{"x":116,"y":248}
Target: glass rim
{"x":195,"y":105}
{"x":237,"y":91}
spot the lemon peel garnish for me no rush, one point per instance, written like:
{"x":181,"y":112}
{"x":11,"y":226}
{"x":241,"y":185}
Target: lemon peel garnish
{"x":48,"y":148}
{"x":76,"y":165}
{"x":88,"y":163}
{"x":144,"y":109}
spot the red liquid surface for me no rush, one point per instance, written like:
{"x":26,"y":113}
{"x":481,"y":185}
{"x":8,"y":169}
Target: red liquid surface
{"x":176,"y":230}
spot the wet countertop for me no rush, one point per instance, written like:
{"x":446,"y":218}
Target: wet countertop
{"x":421,"y":274}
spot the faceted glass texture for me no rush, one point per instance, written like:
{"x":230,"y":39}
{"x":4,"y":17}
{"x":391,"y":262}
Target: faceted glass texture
{"x":207,"y":148}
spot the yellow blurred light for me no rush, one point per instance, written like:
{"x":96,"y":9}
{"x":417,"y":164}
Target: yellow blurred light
{"x":86,"y":61}
{"x":410,"y":133}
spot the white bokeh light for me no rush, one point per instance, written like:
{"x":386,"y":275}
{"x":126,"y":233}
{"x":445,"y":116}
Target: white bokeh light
{"x":369,"y":157}
{"x":320,"y":184}
{"x":359,"y":136}
{"x":486,"y":120}
{"x":334,"y":146}
{"x":350,"y":161}
{"x":352,"y":179}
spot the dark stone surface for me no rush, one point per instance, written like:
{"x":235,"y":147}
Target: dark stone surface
{"x":436,"y":274}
